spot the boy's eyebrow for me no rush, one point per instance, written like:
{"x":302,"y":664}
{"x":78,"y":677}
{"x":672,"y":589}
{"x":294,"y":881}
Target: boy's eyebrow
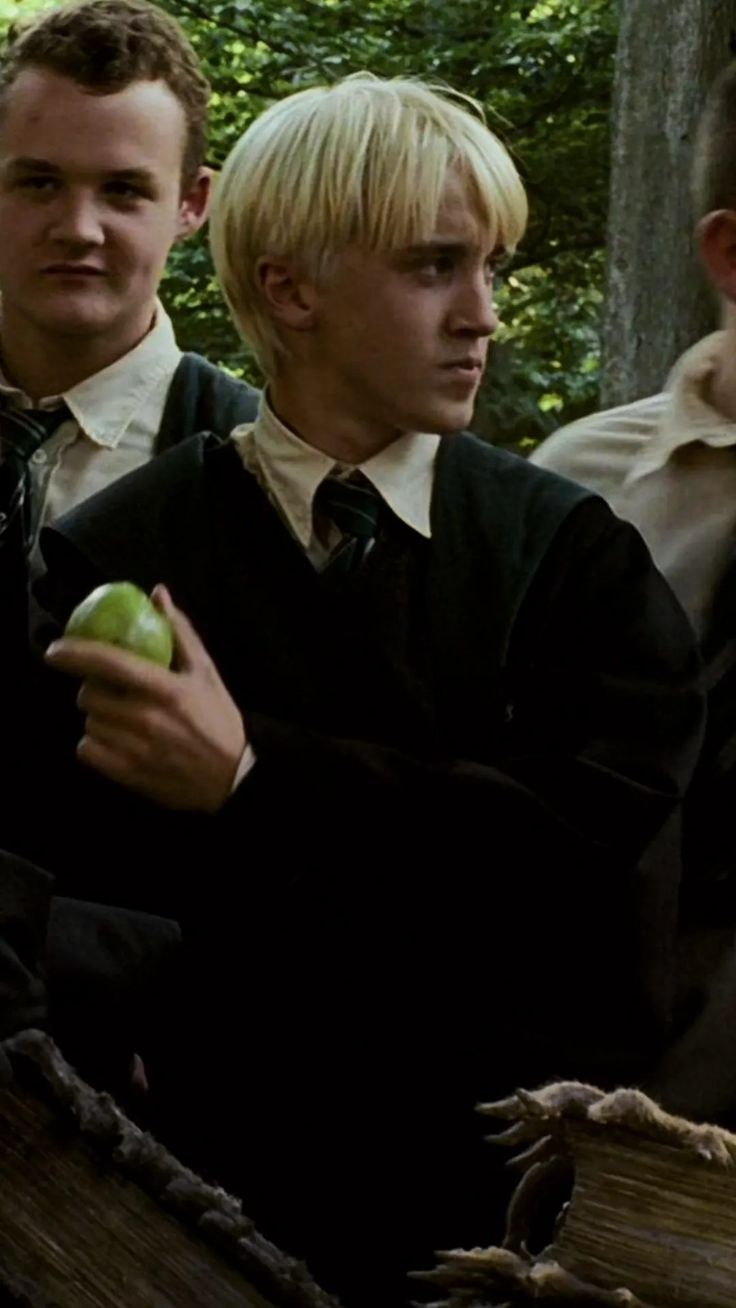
{"x":448,"y":248}
{"x":27,"y":164}
{"x":437,"y":247}
{"x":141,"y":175}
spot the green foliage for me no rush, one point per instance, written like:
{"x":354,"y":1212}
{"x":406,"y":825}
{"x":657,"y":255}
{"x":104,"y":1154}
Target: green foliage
{"x":543,"y":72}
{"x":12,"y":10}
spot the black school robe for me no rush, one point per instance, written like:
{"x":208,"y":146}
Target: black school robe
{"x":432,"y":886}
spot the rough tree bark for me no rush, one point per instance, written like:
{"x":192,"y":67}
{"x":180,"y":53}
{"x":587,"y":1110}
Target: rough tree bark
{"x":657,"y":301}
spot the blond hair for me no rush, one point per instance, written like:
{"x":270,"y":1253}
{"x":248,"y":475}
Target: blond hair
{"x":364,"y":162}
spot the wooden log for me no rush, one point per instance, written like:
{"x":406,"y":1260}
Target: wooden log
{"x":94,"y":1213}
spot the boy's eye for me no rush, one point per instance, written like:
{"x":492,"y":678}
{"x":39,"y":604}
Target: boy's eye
{"x":492,"y":267}
{"x":498,"y":262}
{"x":443,"y":263}
{"x":37,"y":183}
{"x":438,"y":265}
{"x":124,"y":190}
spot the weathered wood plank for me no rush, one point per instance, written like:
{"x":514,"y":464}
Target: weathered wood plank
{"x":95,"y":1214}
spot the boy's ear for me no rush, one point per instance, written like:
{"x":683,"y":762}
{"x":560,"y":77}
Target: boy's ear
{"x":716,"y":235}
{"x":291,"y":298}
{"x":194,"y":206}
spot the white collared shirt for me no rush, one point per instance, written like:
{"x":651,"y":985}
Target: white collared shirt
{"x":116,"y":416}
{"x":290,"y":472}
{"x":667,"y":465}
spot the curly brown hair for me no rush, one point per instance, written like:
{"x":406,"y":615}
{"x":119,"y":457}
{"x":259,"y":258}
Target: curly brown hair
{"x":104,"y":45}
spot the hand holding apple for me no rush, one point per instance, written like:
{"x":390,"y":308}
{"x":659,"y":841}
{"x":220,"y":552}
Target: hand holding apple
{"x":174,"y":734}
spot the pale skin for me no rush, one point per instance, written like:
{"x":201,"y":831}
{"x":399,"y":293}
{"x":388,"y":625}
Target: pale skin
{"x":394,"y":343}
{"x":369,"y":350}
{"x":91,"y":200}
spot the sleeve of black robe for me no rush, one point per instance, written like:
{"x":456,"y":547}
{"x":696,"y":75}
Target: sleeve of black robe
{"x":92,"y":975}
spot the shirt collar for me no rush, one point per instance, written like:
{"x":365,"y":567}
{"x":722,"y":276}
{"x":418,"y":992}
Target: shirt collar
{"x":292,"y":471}
{"x":688,"y":416}
{"x":403,"y":475}
{"x":104,"y":404}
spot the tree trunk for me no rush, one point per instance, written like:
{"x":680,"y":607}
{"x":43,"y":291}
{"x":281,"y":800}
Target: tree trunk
{"x":657,"y":302}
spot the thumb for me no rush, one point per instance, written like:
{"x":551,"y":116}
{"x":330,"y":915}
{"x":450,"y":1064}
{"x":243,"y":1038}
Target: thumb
{"x":188,"y":648}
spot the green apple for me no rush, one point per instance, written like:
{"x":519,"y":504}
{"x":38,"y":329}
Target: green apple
{"x":120,"y":613}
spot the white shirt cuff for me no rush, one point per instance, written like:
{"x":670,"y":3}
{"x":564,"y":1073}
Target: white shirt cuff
{"x":244,"y":766}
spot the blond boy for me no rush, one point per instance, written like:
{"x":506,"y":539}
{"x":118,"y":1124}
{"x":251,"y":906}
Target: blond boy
{"x":429,"y":705}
